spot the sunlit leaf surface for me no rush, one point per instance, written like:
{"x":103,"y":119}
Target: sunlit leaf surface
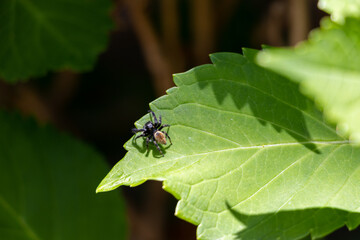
{"x":328,"y":69}
{"x":251,"y":157}
{"x":339,"y":10}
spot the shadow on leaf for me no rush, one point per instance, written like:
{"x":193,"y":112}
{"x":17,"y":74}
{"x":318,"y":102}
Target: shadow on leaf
{"x":151,"y":148}
{"x":272,"y":99}
{"x":296,"y":224}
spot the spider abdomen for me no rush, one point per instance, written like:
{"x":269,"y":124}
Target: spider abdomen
{"x":160,"y":137}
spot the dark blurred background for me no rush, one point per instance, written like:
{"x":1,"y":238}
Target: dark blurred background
{"x":151,"y":40}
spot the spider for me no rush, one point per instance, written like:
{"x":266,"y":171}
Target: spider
{"x":152,"y":131}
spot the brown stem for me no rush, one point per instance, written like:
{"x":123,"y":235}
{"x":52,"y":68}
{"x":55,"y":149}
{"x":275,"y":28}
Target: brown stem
{"x":203,"y":29}
{"x":155,"y":59}
{"x":171,"y":34}
{"x":298,"y":21}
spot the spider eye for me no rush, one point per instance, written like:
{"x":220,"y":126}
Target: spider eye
{"x":149,"y":125}
{"x":160,"y":137}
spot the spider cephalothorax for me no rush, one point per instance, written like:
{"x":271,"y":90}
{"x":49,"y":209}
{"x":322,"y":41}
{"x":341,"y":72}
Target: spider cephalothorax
{"x":152,"y":131}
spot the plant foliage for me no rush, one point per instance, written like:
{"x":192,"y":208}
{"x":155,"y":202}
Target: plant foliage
{"x":251,"y":157}
{"x":339,"y":10}
{"x":47,"y":183}
{"x":41,"y":35}
{"x":328,"y":69}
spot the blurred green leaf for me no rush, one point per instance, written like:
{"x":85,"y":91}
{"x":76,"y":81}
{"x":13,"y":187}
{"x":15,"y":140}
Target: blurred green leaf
{"x":47,"y":186}
{"x":339,"y":10}
{"x":251,"y":157}
{"x":41,"y":35}
{"x":328,"y":69}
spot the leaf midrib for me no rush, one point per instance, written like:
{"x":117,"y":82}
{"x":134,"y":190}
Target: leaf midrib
{"x":23,"y":224}
{"x":120,"y":182}
{"x":265,"y":185}
{"x":31,"y":8}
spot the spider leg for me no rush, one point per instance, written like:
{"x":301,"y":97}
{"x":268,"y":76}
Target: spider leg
{"x":165,"y":125}
{"x":135,"y":130}
{"x":155,"y":119}
{"x":158,"y":148}
{"x":167,"y":136}
{"x":147,"y":143}
{"x":141,"y":135}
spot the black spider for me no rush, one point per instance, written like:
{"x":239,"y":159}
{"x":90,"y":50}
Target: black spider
{"x":152,"y":132}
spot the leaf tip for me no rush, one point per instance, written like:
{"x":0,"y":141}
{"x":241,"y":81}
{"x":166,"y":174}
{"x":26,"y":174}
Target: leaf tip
{"x":263,"y":58}
{"x":99,"y":189}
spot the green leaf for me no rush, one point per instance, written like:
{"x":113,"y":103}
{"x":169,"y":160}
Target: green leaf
{"x":328,"y":69}
{"x":339,"y":10}
{"x":251,"y":157}
{"x":47,"y":186}
{"x":41,"y":35}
